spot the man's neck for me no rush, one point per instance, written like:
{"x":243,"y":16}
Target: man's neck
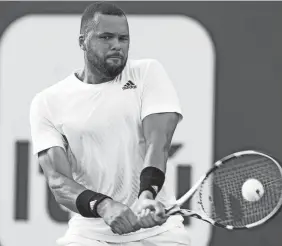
{"x":90,"y":75}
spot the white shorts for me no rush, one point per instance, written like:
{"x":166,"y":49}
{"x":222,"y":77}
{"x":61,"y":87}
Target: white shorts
{"x":177,"y":236}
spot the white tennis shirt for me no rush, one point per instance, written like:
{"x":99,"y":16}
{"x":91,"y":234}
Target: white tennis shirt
{"x":100,"y":128}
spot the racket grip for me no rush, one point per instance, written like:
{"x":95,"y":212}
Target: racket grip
{"x":183,"y":212}
{"x":169,"y":209}
{"x":172,"y":210}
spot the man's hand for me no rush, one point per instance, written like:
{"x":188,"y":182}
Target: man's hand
{"x":150,"y":212}
{"x":118,"y":216}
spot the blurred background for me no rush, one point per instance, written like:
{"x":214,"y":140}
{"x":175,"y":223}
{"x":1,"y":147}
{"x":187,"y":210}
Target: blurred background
{"x":225,"y":59}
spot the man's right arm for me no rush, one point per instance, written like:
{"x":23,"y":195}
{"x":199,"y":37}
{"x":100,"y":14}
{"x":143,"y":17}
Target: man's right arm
{"x":57,"y":171}
{"x":66,"y":190}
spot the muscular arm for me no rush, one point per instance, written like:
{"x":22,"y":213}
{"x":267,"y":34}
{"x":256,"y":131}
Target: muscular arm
{"x":57,"y":171}
{"x":158,"y":131}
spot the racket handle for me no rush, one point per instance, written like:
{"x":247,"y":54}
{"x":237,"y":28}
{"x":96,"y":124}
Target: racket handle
{"x":177,"y":210}
{"x":185,"y":212}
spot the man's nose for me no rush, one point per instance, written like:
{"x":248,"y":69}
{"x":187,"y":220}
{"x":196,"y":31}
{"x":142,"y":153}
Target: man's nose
{"x":116,"y":44}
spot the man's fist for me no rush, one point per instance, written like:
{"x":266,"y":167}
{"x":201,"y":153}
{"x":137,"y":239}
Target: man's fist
{"x":150,"y":212}
{"x":118,"y":216}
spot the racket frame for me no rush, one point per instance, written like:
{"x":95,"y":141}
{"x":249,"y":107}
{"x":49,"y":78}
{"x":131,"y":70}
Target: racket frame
{"x":175,"y":209}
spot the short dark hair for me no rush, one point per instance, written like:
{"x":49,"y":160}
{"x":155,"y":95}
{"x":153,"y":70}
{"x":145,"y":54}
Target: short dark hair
{"x":105,"y":8}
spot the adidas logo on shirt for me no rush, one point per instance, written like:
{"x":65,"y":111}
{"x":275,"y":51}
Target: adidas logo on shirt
{"x":129,"y":85}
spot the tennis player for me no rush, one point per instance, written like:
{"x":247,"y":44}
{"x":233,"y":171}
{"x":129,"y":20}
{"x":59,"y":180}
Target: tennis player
{"x":102,"y":137}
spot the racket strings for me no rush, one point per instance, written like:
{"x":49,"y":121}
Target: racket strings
{"x":220,"y":195}
{"x":274,"y":181}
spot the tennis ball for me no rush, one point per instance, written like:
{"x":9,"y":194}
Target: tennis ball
{"x":252,"y":190}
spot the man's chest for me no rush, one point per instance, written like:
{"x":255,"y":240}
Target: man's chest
{"x":113,"y":107}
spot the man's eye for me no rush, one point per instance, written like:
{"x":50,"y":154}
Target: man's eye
{"x":124,"y":38}
{"x":106,"y":37}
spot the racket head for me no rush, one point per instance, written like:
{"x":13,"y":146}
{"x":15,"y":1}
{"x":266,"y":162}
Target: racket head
{"x":220,"y":194}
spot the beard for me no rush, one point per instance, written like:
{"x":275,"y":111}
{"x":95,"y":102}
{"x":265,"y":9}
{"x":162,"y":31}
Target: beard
{"x":106,"y":69}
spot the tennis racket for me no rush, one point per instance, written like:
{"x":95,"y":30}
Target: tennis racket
{"x":219,"y":192}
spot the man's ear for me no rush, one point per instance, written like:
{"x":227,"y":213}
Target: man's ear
{"x":81,"y":41}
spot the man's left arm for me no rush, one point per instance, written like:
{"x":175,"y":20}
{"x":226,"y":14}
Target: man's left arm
{"x":158,"y":130}
{"x":160,"y":114}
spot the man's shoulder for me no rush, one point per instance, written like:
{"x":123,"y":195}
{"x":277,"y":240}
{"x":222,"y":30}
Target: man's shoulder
{"x":137,"y":69}
{"x":51,"y":93}
{"x":57,"y":86}
{"x":141,"y":64}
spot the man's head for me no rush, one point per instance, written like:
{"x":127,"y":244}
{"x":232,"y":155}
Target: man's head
{"x":104,"y":37}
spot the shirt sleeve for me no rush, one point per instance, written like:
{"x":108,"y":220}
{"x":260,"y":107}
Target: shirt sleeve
{"x":159,"y":94}
{"x":44,"y":134}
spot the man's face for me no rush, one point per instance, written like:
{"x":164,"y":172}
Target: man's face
{"x":107,"y":44}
